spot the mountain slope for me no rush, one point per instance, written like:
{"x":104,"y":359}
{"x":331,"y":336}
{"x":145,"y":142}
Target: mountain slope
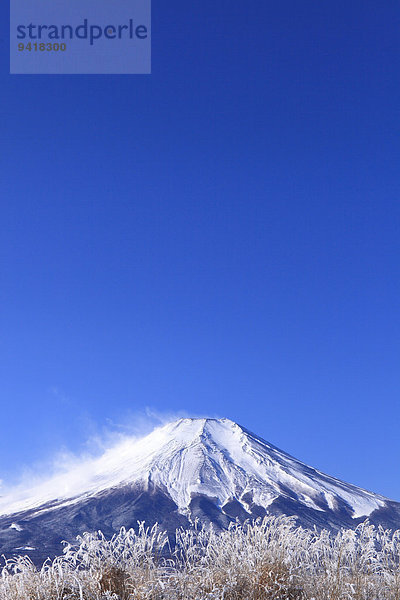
{"x":207,"y":468}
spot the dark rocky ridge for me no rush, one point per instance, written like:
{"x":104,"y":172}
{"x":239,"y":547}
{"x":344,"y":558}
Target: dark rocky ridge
{"x":125,"y":506}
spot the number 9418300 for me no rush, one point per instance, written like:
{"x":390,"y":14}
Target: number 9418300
{"x":42,"y":47}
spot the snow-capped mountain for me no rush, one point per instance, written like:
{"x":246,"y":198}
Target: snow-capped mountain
{"x":212,"y":469}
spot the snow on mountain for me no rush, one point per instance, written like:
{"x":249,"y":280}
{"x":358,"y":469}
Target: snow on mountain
{"x":219,"y":459}
{"x":216,"y":458}
{"x":210,"y":468}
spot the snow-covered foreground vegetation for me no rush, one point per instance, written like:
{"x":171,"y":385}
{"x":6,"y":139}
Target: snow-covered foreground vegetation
{"x":268,"y":560}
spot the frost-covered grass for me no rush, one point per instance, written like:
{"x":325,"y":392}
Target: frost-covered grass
{"x":267,"y":560}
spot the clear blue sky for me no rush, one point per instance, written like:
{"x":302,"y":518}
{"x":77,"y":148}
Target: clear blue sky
{"x":221,"y":237}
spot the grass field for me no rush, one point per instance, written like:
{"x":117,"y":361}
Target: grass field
{"x":267,"y":560}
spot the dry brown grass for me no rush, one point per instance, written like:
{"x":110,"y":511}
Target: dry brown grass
{"x":267,"y":560}
{"x":115,"y":580}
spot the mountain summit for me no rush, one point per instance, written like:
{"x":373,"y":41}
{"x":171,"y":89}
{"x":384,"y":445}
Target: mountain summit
{"x":212,"y":469}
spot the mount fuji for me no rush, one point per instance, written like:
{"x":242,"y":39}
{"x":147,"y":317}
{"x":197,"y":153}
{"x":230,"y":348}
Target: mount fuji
{"x":210,"y":469}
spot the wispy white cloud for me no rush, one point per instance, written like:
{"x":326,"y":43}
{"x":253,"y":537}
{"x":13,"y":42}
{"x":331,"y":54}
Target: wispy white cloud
{"x":66,"y":472}
{"x":59,"y":395}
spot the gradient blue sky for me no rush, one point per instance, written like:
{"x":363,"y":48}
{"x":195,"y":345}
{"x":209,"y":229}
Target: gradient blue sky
{"x":220,"y":238}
